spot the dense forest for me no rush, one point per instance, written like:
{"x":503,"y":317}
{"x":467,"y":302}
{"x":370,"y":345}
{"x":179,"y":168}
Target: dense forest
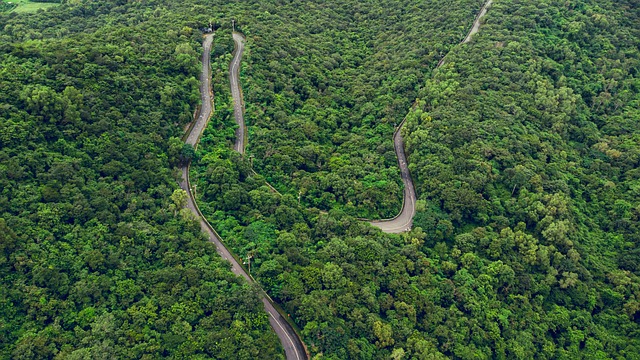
{"x":524,"y":149}
{"x":524,"y":146}
{"x":5,"y":6}
{"x":96,"y":261}
{"x":323,"y":94}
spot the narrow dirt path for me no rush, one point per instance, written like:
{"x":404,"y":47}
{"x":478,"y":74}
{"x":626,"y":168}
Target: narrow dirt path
{"x":293,"y":347}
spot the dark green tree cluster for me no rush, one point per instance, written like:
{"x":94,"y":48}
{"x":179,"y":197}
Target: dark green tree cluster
{"x":98,"y":258}
{"x":527,"y":143}
{"x":524,"y":148}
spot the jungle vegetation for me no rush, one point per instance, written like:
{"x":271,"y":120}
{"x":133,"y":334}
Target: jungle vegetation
{"x":524,"y":149}
{"x":523,"y":146}
{"x":97,"y":260}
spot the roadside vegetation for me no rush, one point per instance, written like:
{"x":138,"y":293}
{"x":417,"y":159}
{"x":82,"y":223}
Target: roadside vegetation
{"x":523,"y":146}
{"x":96,"y":259}
{"x":6,"y":6}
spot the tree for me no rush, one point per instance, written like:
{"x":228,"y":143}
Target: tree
{"x":384,"y":333}
{"x":179,"y":198}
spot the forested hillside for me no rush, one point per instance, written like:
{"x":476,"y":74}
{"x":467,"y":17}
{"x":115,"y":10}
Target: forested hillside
{"x":96,"y":259}
{"x":524,"y":148}
{"x":325,"y":86}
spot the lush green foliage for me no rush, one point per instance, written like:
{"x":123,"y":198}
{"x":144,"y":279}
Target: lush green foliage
{"x":525,"y":153}
{"x":325,"y":85}
{"x":524,"y":149}
{"x":96,"y":259}
{"x":6,"y":6}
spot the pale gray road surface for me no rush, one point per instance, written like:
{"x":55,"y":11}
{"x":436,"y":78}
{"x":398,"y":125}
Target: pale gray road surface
{"x":404,"y":220}
{"x":400,"y":223}
{"x":238,"y":105}
{"x":205,"y":94}
{"x":293,"y":347}
{"x":476,"y":23}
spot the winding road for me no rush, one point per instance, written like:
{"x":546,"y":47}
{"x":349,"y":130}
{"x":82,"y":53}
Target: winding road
{"x":404,"y":220}
{"x":238,"y":104}
{"x":293,"y":347}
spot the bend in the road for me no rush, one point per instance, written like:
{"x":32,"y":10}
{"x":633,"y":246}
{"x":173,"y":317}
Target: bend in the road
{"x":291,"y":342}
{"x":400,"y":223}
{"x":404,"y":220}
{"x":293,"y":346}
{"x":236,"y":93}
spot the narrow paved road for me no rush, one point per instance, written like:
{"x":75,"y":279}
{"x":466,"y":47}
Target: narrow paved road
{"x":293,"y":347}
{"x":404,"y":220}
{"x":205,"y":94}
{"x":238,"y":105}
{"x":476,"y":23}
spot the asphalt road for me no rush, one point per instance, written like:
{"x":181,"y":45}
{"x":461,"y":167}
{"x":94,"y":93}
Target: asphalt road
{"x":238,"y":105}
{"x":404,"y":220}
{"x":205,"y":94}
{"x":476,"y":23}
{"x":293,"y":347}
